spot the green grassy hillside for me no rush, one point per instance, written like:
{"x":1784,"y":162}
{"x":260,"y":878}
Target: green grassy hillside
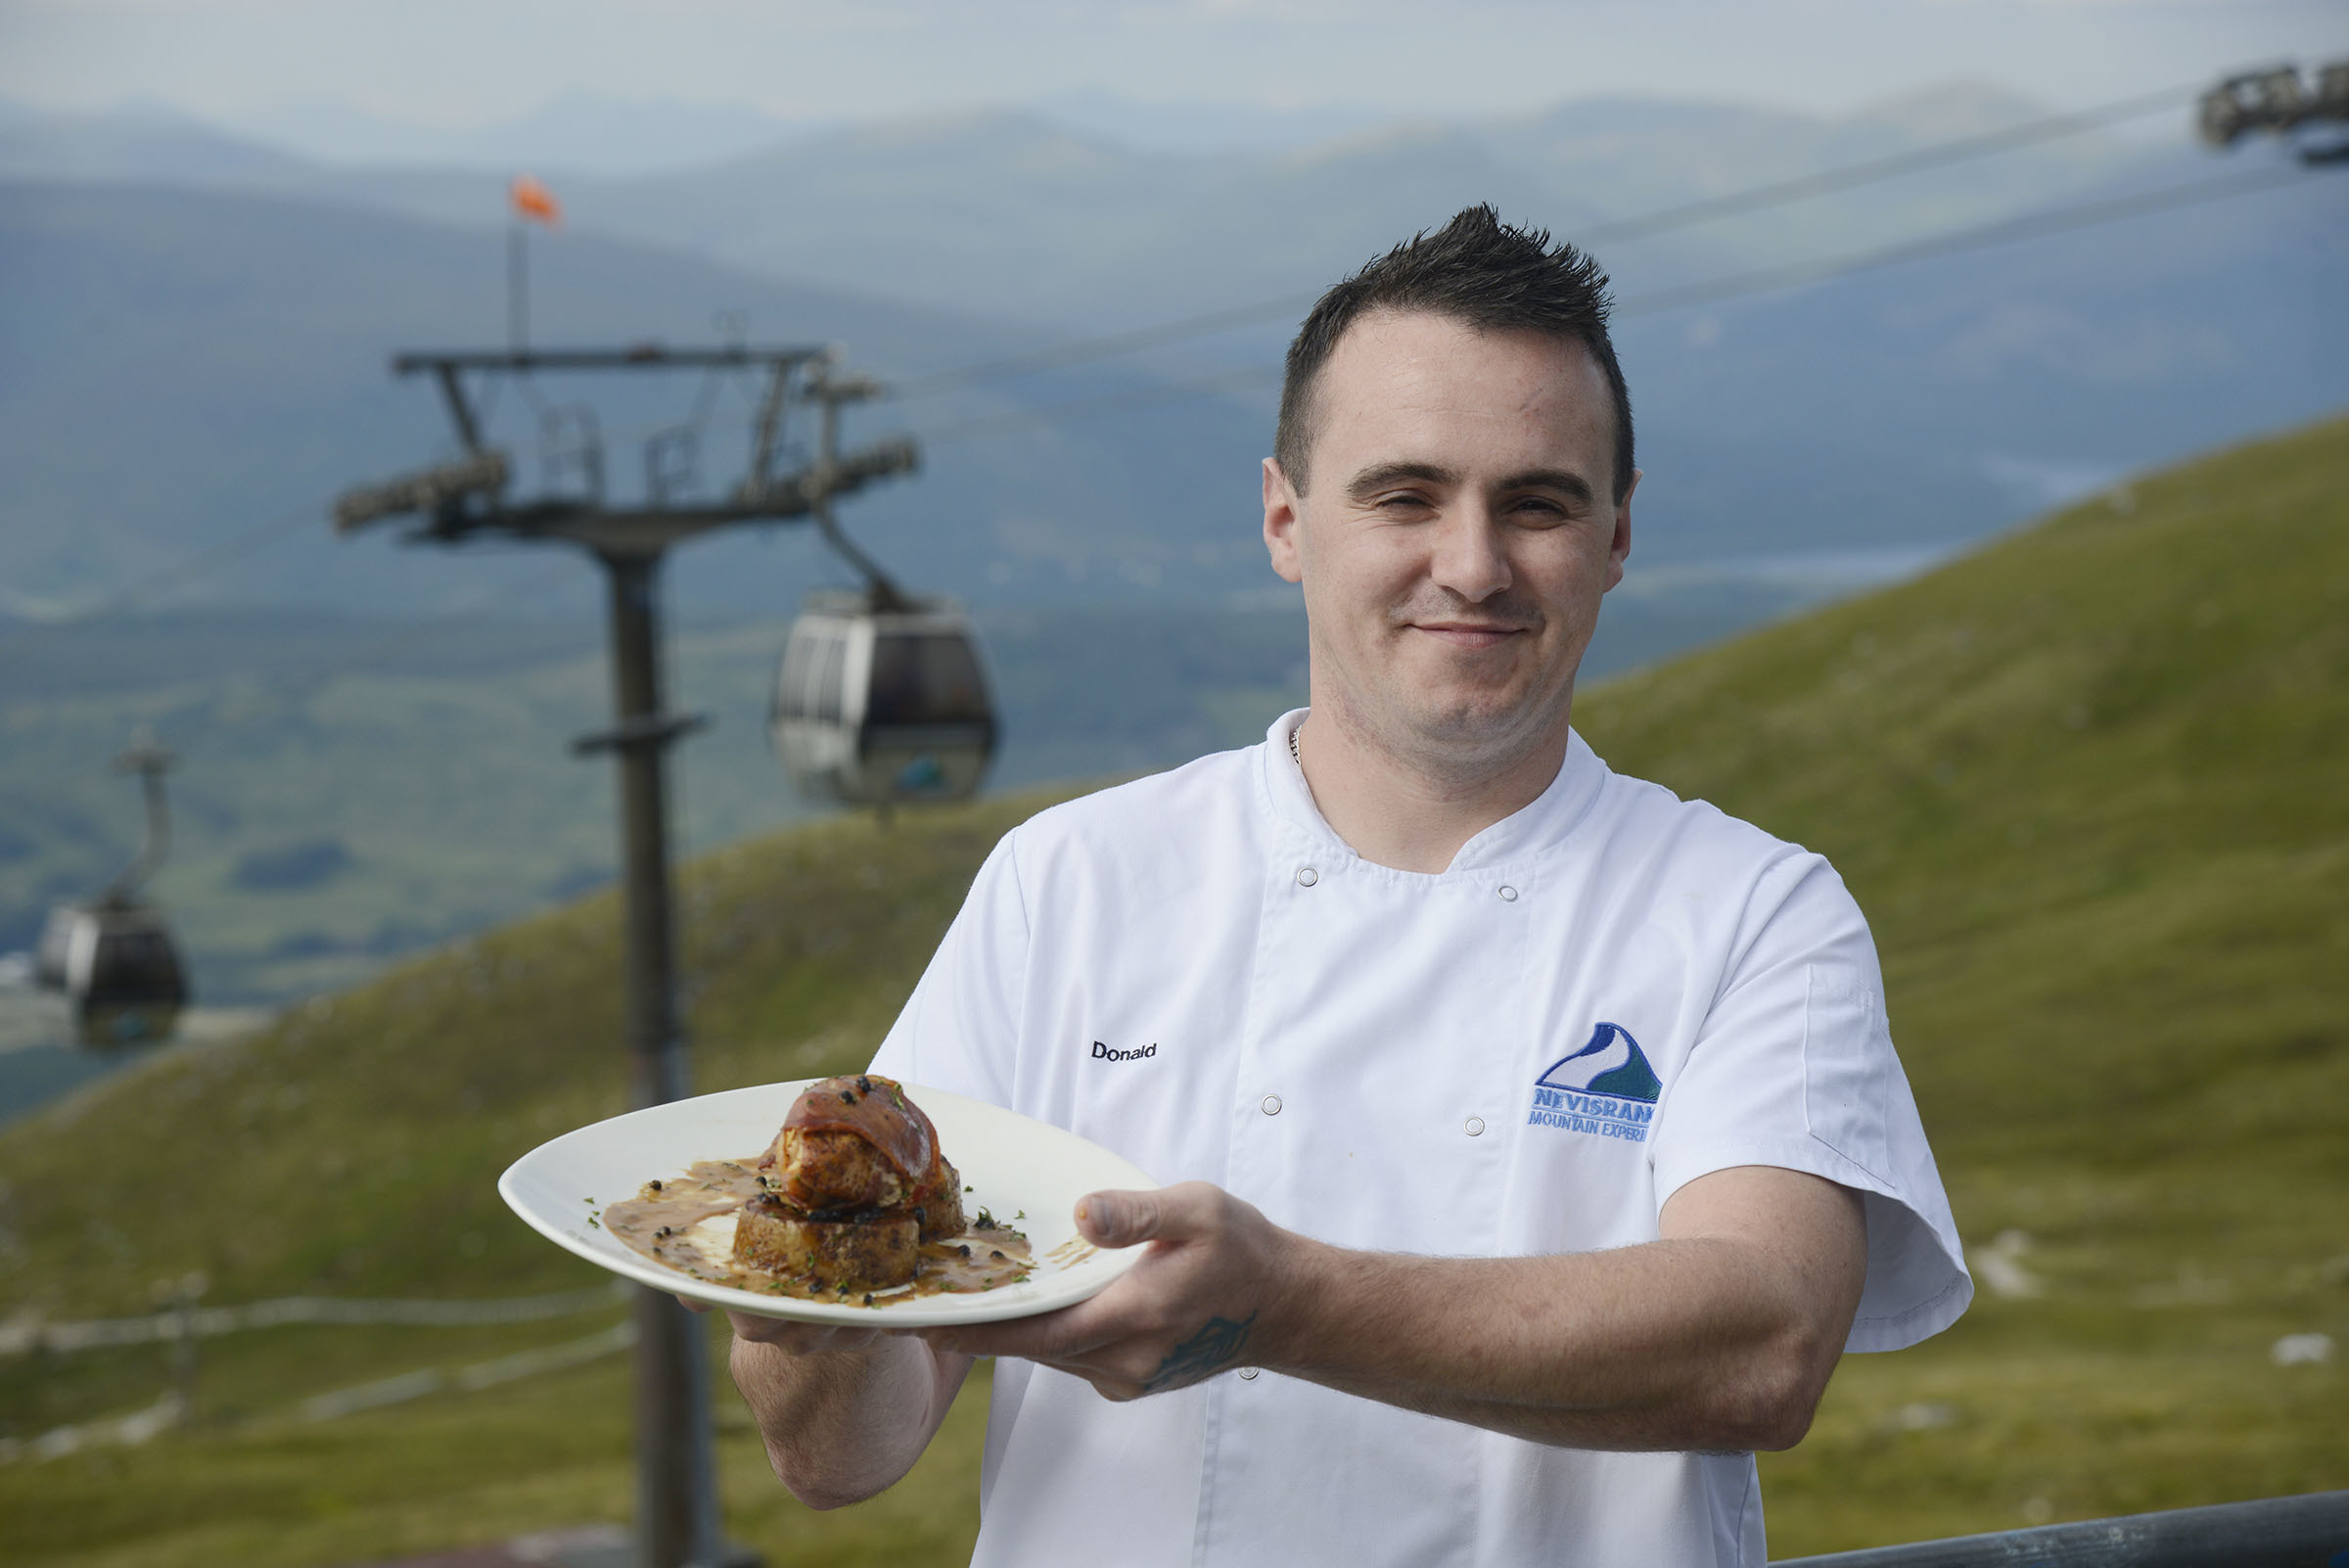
{"x":2087,"y":783}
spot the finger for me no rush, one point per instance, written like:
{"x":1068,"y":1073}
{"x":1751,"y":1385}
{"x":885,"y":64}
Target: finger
{"x":692,"y":1306}
{"x":1127,"y":1219}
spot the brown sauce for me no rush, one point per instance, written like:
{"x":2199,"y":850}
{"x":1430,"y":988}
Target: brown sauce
{"x":1072,"y":1252}
{"x":687,"y":1223}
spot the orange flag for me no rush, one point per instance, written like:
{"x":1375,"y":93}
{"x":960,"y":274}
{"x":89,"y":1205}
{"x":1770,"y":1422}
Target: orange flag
{"x":533,"y":199}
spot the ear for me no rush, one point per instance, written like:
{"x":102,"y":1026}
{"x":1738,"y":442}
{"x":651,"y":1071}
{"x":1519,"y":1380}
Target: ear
{"x":1280,"y":524}
{"x":1619,"y":549}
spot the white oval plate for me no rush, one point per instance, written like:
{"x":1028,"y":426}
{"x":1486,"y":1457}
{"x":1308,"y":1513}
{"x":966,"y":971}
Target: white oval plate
{"x":1014,"y":1163}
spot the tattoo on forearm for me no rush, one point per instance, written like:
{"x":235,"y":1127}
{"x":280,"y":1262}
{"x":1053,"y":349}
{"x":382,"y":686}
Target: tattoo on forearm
{"x":1203,"y":1354}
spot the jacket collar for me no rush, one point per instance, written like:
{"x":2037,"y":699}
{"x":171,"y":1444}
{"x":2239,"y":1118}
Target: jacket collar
{"x":1540,"y":825}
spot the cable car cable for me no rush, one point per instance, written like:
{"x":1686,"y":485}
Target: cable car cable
{"x":1891,"y":166}
{"x":2005,"y":231}
{"x":1776,"y":193}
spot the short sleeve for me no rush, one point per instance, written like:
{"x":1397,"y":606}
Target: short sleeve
{"x":1794,"y":1067}
{"x":959,"y":1028}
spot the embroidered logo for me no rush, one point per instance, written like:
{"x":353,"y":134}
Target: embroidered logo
{"x":1110,"y":1053}
{"x":1605,"y":1089}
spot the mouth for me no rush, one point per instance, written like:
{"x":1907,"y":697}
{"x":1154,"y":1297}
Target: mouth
{"x":1469,"y":635}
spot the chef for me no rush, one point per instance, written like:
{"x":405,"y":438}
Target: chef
{"x":1535,"y":1140}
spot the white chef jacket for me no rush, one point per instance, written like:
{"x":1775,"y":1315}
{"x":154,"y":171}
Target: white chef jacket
{"x":1606,"y":994}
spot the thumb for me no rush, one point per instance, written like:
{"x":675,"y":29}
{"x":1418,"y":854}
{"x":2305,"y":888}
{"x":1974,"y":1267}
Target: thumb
{"x":1118,"y":1219}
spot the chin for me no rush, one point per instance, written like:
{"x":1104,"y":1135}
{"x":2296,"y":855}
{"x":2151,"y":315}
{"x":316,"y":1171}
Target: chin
{"x":1479,"y":727}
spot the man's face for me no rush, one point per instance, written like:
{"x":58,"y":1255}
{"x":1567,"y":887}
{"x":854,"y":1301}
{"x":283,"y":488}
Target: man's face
{"x":1456,"y":531}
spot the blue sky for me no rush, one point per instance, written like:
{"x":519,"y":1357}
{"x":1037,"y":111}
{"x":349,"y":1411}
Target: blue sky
{"x":277,"y":66}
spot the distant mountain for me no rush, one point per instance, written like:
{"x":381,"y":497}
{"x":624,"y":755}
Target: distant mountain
{"x":133,"y":144}
{"x":1066,"y":219}
{"x":567,"y":133}
{"x":1209,"y":125}
{"x":179,"y":358}
{"x":178,"y":364}
{"x":1017,"y":213}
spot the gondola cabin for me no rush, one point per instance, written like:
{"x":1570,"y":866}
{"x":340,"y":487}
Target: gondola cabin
{"x":877,"y":704}
{"x":117,"y":964}
{"x":113,"y":957}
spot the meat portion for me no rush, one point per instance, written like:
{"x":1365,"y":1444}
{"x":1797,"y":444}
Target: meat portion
{"x":938,"y":1203}
{"x":873,"y":1251}
{"x":825,"y":1171}
{"x":859,"y":1181}
{"x":852,"y":1143}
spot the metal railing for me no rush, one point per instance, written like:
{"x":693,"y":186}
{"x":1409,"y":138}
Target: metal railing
{"x":2311,"y":1531}
{"x":27,"y":1333}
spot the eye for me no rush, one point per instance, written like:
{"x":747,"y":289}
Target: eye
{"x":1538,"y":511}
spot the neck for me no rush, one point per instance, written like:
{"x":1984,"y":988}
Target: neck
{"x":1395,"y":812}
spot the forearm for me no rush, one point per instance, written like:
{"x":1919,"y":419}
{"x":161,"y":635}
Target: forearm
{"x":1719,"y":1335}
{"x":1679,"y":1344}
{"x":840,"y":1426}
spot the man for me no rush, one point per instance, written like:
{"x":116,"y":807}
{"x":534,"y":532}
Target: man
{"x":1536,"y":1137}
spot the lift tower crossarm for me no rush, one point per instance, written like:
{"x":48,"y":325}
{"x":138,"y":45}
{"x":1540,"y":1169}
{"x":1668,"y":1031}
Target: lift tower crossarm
{"x":636,"y":356}
{"x":448,"y":368}
{"x":625,"y":531}
{"x":483,"y":472}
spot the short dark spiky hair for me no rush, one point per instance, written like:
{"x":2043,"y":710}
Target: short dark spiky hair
{"x":1476,"y":271}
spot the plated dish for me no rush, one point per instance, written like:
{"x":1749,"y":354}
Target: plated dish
{"x":591,"y":1193}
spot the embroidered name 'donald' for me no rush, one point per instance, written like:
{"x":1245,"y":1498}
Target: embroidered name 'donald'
{"x":1110,"y":1053}
{"x":1606,"y":1088}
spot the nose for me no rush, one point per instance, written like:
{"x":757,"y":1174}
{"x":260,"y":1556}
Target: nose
{"x":1468,"y":556}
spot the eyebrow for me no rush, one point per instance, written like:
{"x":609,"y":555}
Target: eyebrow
{"x":1563,"y":481}
{"x":1370,"y":481}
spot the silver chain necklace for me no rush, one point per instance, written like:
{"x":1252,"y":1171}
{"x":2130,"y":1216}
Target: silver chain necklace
{"x":1295,"y":754}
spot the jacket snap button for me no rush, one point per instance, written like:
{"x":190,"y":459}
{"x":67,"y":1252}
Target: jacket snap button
{"x":1509,"y":895}
{"x":1476,"y":1126}
{"x":1248,"y":1372}
{"x":1306,"y":876}
{"x":1272,"y":1105}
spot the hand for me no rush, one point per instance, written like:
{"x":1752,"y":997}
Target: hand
{"x":1210,"y":1289}
{"x":791,"y":1338}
